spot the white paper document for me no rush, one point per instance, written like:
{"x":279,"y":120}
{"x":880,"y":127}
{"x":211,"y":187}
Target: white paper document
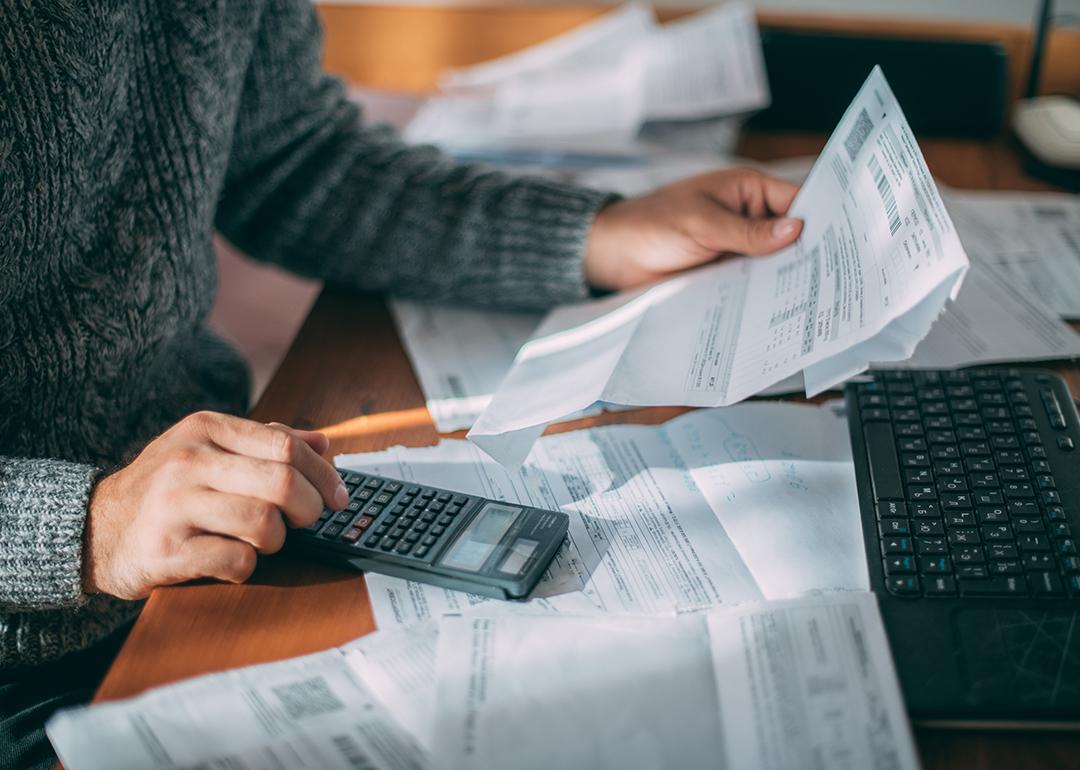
{"x":1034,"y":238}
{"x":714,"y":507}
{"x":309,"y":712}
{"x":809,"y":683}
{"x":877,"y":259}
{"x":802,"y":683}
{"x":595,"y":86}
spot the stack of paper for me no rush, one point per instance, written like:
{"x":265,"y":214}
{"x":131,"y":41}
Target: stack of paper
{"x":714,"y":507}
{"x":593,"y":88}
{"x":762,"y":685}
{"x":877,"y":259}
{"x":1033,"y":238}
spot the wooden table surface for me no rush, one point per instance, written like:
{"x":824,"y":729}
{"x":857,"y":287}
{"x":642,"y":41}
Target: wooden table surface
{"x":347,"y":374}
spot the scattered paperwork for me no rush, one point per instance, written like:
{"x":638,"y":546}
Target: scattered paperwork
{"x":874,"y":266}
{"x":780,"y":685}
{"x":759,"y":685}
{"x":309,"y":712}
{"x":1034,"y":238}
{"x":594,"y":87}
{"x":711,"y":508}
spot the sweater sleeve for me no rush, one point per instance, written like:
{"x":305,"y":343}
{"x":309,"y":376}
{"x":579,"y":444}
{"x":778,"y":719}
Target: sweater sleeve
{"x":312,"y":189}
{"x":43,"y":507}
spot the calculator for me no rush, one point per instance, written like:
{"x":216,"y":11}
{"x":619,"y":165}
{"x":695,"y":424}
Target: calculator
{"x":436,"y":536}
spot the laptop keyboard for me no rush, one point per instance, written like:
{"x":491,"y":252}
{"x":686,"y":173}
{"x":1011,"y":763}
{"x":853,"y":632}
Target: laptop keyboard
{"x":966,"y":503}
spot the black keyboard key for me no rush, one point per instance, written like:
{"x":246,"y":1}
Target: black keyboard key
{"x":1022,"y":508}
{"x":979,"y":464}
{"x":997,"y":533}
{"x":1055,"y":513}
{"x":884,"y":464}
{"x":894,"y":545}
{"x":984,"y":497}
{"x":975,"y":449}
{"x":928,"y":527}
{"x":944,"y":452}
{"x":929,"y":565}
{"x":972,"y":572}
{"x":991,"y":514}
{"x":913,"y":445}
{"x":1070,"y":563}
{"x":875,"y":414}
{"x":918,"y":476}
{"x":1059,"y":529}
{"x":998,"y":551}
{"x":1072,"y":584}
{"x":1044,"y":481}
{"x":957,"y":501}
{"x":960,"y":519}
{"x":925,"y":510}
{"x":1045,"y":584}
{"x":1018,"y":491}
{"x":900,"y":565}
{"x":985,"y":481}
{"x":1006,"y":567}
{"x":931,"y":545}
{"x":1033,"y":543}
{"x":903,"y":585}
{"x":922,"y":493}
{"x":1014,"y":473}
{"x":1028,"y":525}
{"x":939,"y":585}
{"x":938,"y":422}
{"x":964,"y":536}
{"x":948,"y":468}
{"x":1004,"y":585}
{"x":953,"y":484}
{"x":968,"y":554}
{"x":1065,"y":547}
{"x":1010,"y":457}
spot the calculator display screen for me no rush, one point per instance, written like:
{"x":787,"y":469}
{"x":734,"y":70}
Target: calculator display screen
{"x":476,"y":543}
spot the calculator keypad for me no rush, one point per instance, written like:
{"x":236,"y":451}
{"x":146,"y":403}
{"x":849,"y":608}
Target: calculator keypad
{"x":391,"y":517}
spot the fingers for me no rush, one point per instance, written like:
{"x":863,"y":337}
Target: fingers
{"x":256,"y":522}
{"x":280,"y":484}
{"x":724,"y":231}
{"x":275,"y":442}
{"x":217,"y":557}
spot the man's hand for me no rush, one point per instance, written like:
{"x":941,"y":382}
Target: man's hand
{"x":687,"y":224}
{"x":201,"y":500}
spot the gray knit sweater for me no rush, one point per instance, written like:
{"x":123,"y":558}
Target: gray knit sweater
{"x":129,"y":131}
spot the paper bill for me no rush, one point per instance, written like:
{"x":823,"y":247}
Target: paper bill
{"x":875,"y":264}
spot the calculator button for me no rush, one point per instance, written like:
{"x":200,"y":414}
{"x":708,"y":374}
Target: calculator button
{"x":332,"y":531}
{"x":363,"y":522}
{"x":421,"y":551}
{"x":388,"y":544}
{"x":373,"y":510}
{"x":412,"y":537}
{"x":351,"y":478}
{"x":382,"y":498}
{"x":364,"y":494}
{"x":373,"y":484}
{"x":436,"y":506}
{"x":427,"y":494}
{"x":405,"y":500}
{"x":428,"y":517}
{"x":354,"y":506}
{"x":444,"y":497}
{"x":446,"y":521}
{"x":460,"y":500}
{"x":344,"y":517}
{"x":372,"y":541}
{"x":412,"y":490}
{"x":352,"y":534}
{"x":392,"y":486}
{"x":403,"y":547}
{"x":437,"y":530}
{"x":429,"y":540}
{"x":420,"y":526}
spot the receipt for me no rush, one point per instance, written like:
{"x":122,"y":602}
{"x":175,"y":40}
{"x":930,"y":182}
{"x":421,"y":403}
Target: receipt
{"x":308,"y":712}
{"x":1033,"y":238}
{"x":593,"y":88}
{"x":877,"y":259}
{"x":809,"y":678}
{"x":712,"y":508}
{"x":792,"y":684}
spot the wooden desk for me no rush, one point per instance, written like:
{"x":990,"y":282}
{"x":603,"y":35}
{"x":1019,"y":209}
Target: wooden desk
{"x":373,"y":401}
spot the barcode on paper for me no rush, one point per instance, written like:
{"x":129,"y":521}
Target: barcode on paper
{"x":884,"y":188}
{"x":352,"y":753}
{"x":856,"y":137}
{"x":308,"y":698}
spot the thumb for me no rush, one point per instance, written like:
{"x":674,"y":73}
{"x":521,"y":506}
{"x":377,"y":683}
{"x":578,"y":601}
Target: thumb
{"x":755,"y":236}
{"x":318,"y":442}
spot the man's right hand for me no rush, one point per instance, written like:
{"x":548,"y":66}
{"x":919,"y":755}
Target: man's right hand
{"x":202,"y":500}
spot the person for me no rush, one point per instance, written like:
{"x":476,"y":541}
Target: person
{"x":129,"y":132}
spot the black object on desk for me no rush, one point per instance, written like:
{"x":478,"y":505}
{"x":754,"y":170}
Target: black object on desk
{"x":970,"y":497}
{"x":947,"y":88}
{"x":435,"y":536}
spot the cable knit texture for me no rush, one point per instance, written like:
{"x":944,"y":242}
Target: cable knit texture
{"x":129,"y":131}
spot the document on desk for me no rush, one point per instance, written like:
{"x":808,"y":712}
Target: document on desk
{"x":874,"y":266}
{"x":714,"y":507}
{"x":789,"y":684}
{"x":809,"y":678}
{"x":1034,"y":238}
{"x":309,"y":712}
{"x":597,"y":84}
